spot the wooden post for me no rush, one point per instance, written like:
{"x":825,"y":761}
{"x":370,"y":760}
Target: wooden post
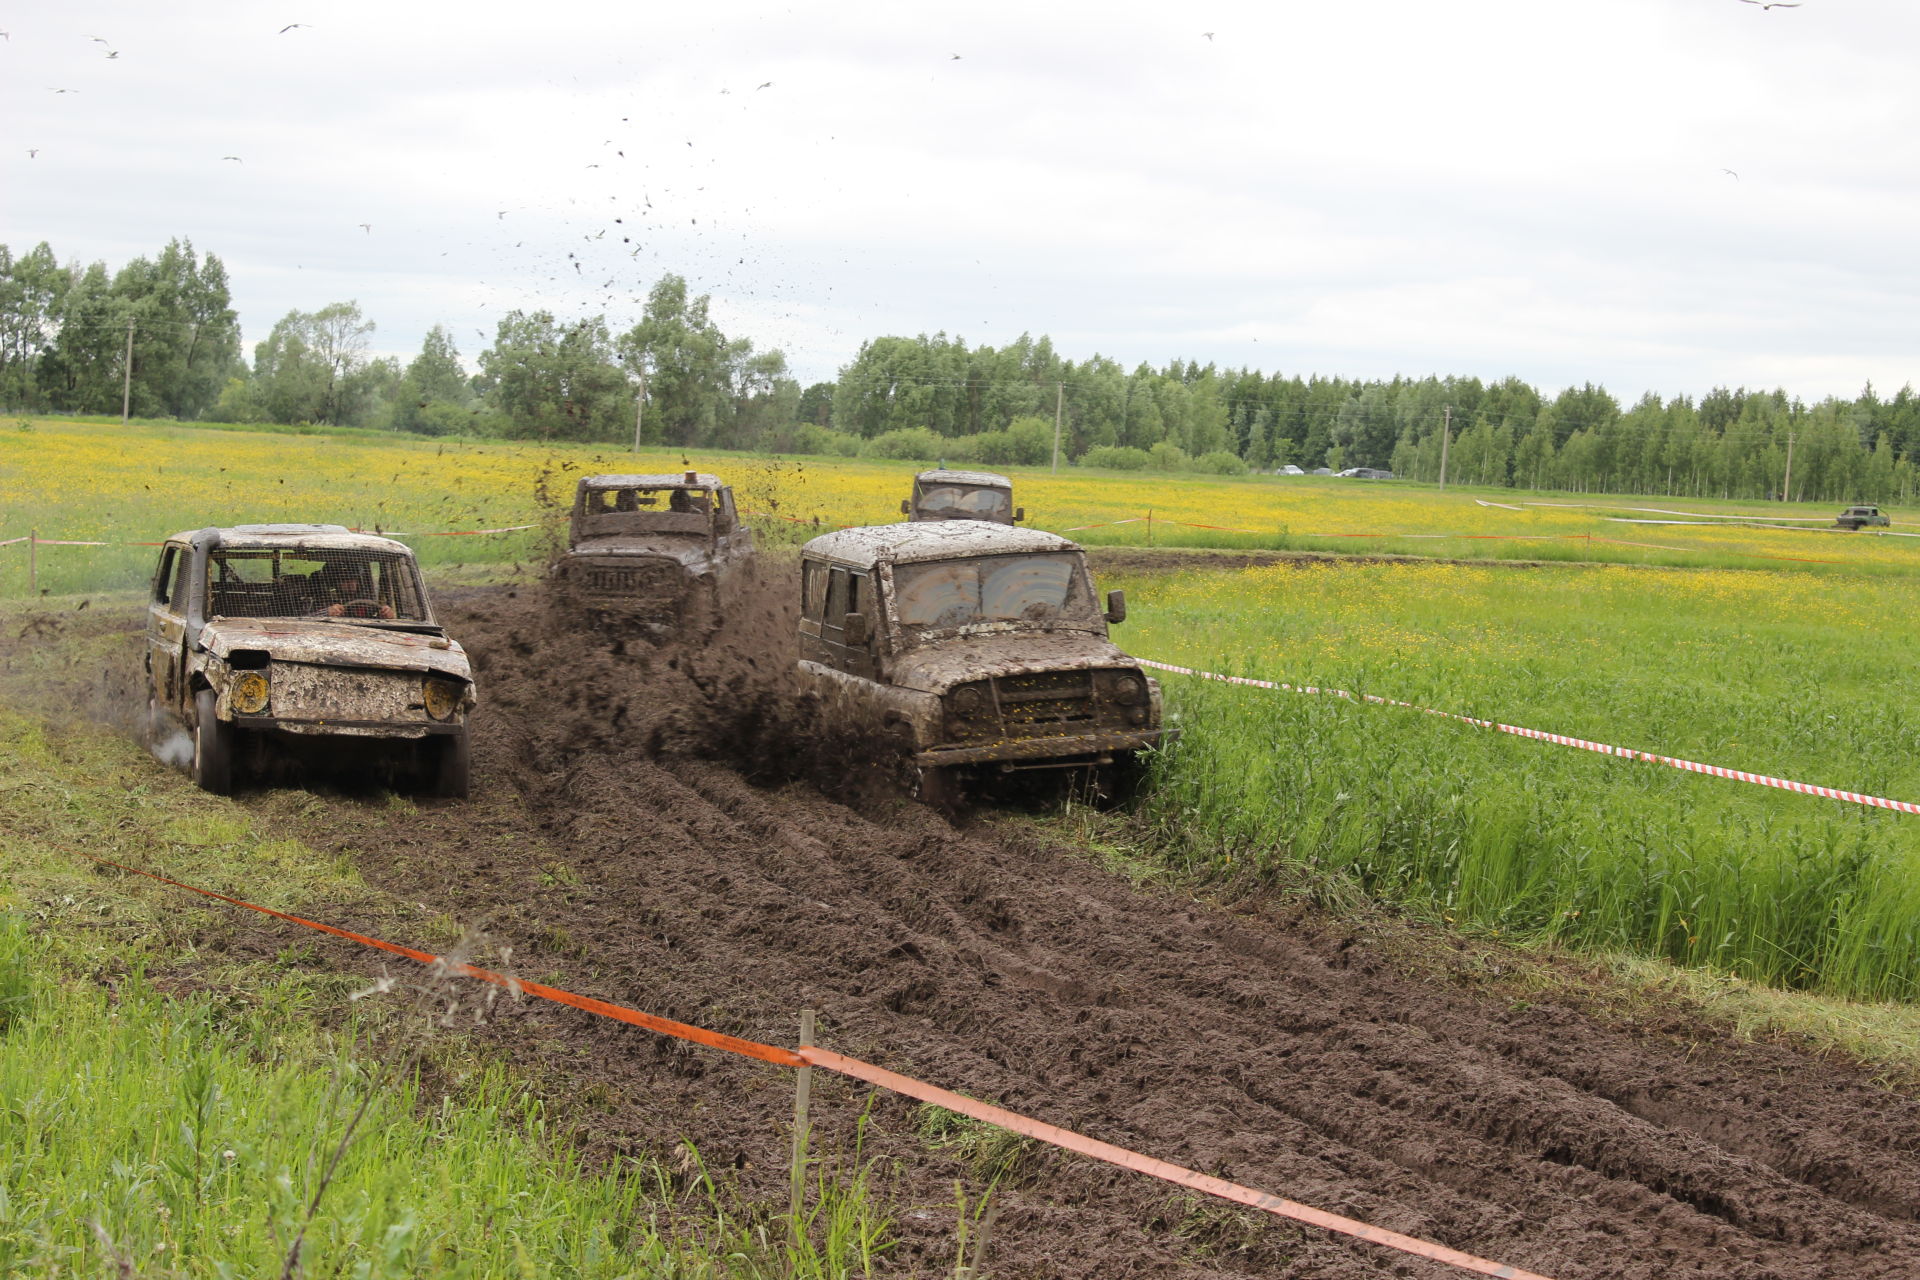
{"x":1149,"y":526}
{"x":640,"y":404}
{"x":1059,"y":398}
{"x":1446,"y":433}
{"x":802,"y":1095}
{"x":126,"y":377}
{"x":33,"y":562}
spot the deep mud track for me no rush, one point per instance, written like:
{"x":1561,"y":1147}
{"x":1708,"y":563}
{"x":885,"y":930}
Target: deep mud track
{"x":650,"y":827}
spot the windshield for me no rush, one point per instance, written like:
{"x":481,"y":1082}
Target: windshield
{"x":302,"y":583}
{"x":944,"y":594}
{"x":956,"y":502}
{"x":612,"y":512}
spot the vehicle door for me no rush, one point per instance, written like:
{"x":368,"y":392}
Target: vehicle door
{"x":167,"y":605}
{"x":847,"y":624}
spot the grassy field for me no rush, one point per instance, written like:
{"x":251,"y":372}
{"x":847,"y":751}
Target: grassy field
{"x":201,"y":1126}
{"x":99,"y":482}
{"x":1770,"y":671}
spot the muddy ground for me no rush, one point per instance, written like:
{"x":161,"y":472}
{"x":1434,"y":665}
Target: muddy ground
{"x":656,"y":826}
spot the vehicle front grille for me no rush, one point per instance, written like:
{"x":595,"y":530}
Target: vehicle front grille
{"x":1046,"y":701}
{"x":639,"y":578}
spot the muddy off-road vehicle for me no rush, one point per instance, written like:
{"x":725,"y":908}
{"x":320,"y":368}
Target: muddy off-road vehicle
{"x":1859,"y":517}
{"x":972,"y":647}
{"x":653,"y":549}
{"x":962,"y":495}
{"x":302,"y":642}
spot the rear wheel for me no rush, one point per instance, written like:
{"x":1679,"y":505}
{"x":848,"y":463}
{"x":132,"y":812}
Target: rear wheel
{"x":453,"y":765}
{"x":938,"y":789}
{"x":212,"y":746}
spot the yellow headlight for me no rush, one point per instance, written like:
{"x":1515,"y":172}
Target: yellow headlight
{"x":442,"y":697}
{"x":249,"y":692}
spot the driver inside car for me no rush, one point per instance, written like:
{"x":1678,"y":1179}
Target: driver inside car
{"x":345,"y":591}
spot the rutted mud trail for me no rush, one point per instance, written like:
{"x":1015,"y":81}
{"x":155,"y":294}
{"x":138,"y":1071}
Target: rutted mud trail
{"x":651,"y":828}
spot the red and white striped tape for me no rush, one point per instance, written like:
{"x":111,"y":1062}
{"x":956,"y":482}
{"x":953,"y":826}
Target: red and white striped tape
{"x":1540,"y":735}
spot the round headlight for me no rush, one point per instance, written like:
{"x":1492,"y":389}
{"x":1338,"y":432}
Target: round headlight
{"x":1128,"y":689}
{"x":969,"y":700}
{"x":442,"y":697}
{"x":249,"y":692}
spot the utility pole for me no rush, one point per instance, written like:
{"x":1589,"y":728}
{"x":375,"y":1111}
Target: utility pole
{"x":1446,"y":433}
{"x":1786,"y":487}
{"x":126,"y":377}
{"x":640,"y":404}
{"x":1059,"y":398}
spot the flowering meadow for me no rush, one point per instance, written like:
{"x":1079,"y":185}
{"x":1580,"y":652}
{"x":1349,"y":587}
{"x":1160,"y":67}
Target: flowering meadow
{"x":100,"y":482}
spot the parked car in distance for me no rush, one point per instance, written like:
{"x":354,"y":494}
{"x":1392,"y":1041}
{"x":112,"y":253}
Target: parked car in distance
{"x":1365,"y":473}
{"x":306,"y":640}
{"x":942,"y":494}
{"x":972,"y":645}
{"x":1289,"y":470}
{"x":1858,"y":517}
{"x":654,"y":549}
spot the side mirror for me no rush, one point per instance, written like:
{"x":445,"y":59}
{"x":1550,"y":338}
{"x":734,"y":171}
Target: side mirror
{"x":855,"y":629}
{"x":1116,"y":606}
{"x":1019,"y":514}
{"x":906,"y":507}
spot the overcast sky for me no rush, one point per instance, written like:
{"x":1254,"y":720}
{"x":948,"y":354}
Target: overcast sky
{"x":1362,"y":188}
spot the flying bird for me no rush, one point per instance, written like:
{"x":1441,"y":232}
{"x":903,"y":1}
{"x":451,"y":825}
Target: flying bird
{"x":1772,"y":4}
{"x":51,"y":89}
{"x":235,"y":159}
{"x":954,"y":58}
{"x":113,"y":53}
{"x":32,"y":152}
{"x":366,"y":227}
{"x":98,"y":39}
{"x":1207,"y":34}
{"x":291,"y":25}
{"x":757,"y":88}
{"x":1731,"y":174}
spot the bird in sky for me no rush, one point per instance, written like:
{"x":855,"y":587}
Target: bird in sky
{"x":98,"y":39}
{"x":367,"y":227}
{"x":1772,"y":4}
{"x":1207,"y":34}
{"x":954,"y":58}
{"x":1731,"y":174}
{"x":235,"y":159}
{"x":757,"y":88}
{"x":32,"y":152}
{"x":291,"y":25}
{"x":113,"y":53}
{"x":51,"y":89}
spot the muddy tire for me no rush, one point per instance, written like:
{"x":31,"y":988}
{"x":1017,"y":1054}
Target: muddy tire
{"x":212,"y":746}
{"x":939,"y":790}
{"x":452,"y":765}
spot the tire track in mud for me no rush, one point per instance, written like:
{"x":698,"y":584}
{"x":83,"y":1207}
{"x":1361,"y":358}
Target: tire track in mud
{"x":652,"y":827}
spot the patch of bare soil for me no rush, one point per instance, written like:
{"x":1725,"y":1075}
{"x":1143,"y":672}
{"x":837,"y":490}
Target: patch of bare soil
{"x":653,"y":826}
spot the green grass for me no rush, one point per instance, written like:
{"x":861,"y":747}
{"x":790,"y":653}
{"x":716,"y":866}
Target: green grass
{"x":1772,"y":673}
{"x":186,"y":1127}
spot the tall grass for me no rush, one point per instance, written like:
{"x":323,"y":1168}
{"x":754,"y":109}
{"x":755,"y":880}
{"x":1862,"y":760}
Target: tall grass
{"x":1506,"y":834}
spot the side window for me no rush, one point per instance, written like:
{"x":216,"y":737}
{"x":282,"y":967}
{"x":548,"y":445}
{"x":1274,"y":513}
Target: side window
{"x":856,"y":592}
{"x":813,"y":590}
{"x":836,"y":595}
{"x":177,"y":598}
{"x":163,"y":576}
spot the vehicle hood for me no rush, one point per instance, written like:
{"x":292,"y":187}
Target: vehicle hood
{"x":334,"y":644}
{"x":937,"y":667}
{"x":691,"y":554}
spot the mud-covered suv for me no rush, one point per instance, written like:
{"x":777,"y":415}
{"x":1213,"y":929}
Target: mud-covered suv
{"x":972,"y":645}
{"x":962,"y":495}
{"x":655,"y":549}
{"x":296,"y":641}
{"x":1858,"y":517}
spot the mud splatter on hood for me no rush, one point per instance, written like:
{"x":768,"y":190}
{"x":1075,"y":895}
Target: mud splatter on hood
{"x":337,"y":644}
{"x":938,"y":667}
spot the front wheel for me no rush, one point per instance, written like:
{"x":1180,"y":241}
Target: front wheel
{"x":212,"y":745}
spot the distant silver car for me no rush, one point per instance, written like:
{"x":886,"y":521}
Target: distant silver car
{"x":962,"y":495}
{"x":653,"y":548}
{"x":971,"y":645}
{"x":308,"y":639}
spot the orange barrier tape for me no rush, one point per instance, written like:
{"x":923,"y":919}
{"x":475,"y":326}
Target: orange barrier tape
{"x":1068,"y":1140}
{"x":620,"y":1013}
{"x":906,"y":1086}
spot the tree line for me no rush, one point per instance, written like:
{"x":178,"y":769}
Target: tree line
{"x":162,"y":333}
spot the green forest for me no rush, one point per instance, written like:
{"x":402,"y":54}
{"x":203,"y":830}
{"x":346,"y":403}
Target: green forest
{"x":158,"y":338}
